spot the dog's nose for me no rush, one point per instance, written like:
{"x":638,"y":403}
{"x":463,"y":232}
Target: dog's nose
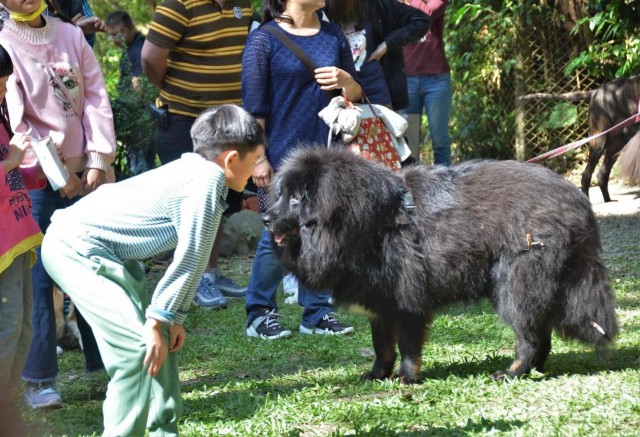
{"x":266,"y":219}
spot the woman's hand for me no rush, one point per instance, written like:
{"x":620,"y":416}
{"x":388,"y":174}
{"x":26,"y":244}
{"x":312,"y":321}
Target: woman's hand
{"x":89,"y":25}
{"x":156,"y":346}
{"x":379,"y":52}
{"x":92,"y":178}
{"x":74,"y":187}
{"x":262,"y":174}
{"x":331,"y":78}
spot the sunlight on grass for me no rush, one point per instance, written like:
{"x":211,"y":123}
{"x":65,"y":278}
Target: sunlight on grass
{"x":310,"y":386}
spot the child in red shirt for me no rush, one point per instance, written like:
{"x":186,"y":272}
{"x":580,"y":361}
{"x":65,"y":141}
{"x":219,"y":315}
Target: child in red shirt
{"x":19,"y":236}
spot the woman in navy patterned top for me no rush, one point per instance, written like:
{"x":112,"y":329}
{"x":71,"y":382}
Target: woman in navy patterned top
{"x":285,"y":97}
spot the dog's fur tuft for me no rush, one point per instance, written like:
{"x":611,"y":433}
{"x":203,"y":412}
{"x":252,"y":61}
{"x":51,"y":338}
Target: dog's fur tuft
{"x":403,"y":245}
{"x":630,"y":160}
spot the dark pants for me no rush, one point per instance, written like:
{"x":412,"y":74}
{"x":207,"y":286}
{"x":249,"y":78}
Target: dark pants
{"x":266,"y":275}
{"x":42,"y":363}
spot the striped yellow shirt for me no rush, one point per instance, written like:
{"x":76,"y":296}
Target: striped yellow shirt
{"x":206,"y":44}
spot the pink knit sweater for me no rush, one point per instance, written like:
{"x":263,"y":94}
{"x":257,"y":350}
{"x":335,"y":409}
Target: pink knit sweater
{"x":79,"y":120}
{"x":19,"y":232}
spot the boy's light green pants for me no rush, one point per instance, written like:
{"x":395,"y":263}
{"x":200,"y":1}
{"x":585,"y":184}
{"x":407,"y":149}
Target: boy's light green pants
{"x":112,"y":295}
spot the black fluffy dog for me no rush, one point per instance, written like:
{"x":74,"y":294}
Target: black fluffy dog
{"x":402,"y":245}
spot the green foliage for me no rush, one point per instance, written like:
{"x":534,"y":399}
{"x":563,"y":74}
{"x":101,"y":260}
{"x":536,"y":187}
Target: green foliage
{"x":141,"y":11}
{"x":615,"y":50}
{"x":562,"y":115}
{"x":480,"y":37}
{"x":131,"y":118}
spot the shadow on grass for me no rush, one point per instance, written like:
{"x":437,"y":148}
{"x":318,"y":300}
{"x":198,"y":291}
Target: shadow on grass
{"x":558,"y":364}
{"x":471,"y":427}
{"x":243,"y":403}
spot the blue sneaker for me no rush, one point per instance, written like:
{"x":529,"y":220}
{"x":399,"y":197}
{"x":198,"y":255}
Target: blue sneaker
{"x":208,"y":296}
{"x":228,"y":287}
{"x":42,"y":396}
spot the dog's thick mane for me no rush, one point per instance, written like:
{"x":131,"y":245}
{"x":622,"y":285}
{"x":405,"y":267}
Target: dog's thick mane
{"x":323,"y":175}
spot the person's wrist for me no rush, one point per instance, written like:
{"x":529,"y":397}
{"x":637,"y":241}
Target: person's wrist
{"x":261,"y":160}
{"x":154,"y":323}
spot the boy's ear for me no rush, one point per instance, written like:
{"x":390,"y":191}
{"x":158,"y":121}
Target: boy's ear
{"x":231,"y":155}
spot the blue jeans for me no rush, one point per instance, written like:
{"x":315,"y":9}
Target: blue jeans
{"x":433,"y":93}
{"x":42,"y":362}
{"x":266,"y":275}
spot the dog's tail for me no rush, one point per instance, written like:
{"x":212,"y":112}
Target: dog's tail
{"x":590,"y":306}
{"x":630,"y":160}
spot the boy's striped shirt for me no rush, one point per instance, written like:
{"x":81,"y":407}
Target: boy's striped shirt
{"x":177,"y":206}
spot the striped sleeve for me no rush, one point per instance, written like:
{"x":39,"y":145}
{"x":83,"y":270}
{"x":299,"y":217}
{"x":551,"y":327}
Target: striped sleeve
{"x":196,"y":215}
{"x":170,"y":22}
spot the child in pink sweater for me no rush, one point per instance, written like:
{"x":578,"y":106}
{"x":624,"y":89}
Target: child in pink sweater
{"x":19,"y":236}
{"x":56,"y":90}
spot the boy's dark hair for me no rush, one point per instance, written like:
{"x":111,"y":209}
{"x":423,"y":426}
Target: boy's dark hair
{"x":6,"y":68}
{"x":119,"y":17}
{"x":226,"y":127}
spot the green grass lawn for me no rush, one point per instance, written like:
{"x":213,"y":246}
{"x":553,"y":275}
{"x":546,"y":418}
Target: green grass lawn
{"x":309,"y":385}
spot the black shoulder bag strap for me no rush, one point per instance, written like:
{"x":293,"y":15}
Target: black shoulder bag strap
{"x":284,"y":39}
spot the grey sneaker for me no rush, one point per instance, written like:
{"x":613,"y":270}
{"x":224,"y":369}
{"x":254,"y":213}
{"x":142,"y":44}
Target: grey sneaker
{"x":208,"y":296}
{"x":267,"y":327}
{"x":328,"y":325}
{"x":42,"y":396}
{"x":228,"y":287}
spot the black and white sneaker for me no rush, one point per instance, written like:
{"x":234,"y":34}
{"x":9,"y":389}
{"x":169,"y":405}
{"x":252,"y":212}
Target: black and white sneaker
{"x":328,"y":325}
{"x":267,"y":327}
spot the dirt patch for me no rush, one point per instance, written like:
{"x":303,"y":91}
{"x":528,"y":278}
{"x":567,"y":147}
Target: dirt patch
{"x":619,"y":220}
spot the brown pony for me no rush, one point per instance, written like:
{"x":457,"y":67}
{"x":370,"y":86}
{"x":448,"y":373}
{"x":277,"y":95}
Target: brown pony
{"x":610,"y":104}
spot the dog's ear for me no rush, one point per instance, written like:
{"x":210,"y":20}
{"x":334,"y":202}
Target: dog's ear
{"x":307,"y":214}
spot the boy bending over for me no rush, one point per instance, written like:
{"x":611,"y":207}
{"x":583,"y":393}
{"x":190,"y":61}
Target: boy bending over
{"x":91,"y":251}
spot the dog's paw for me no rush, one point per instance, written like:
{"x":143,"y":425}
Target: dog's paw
{"x":405,"y":379}
{"x":373,"y":376}
{"x":499,"y":376}
{"x":506,"y":376}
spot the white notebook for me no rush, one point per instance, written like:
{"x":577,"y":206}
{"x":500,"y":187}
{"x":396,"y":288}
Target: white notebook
{"x":50,"y":162}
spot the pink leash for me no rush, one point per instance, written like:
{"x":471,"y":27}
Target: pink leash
{"x":564,"y":149}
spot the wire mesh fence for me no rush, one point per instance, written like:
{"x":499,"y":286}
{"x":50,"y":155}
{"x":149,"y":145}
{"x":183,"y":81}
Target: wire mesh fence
{"x":551,"y":105}
{"x":534,"y":106}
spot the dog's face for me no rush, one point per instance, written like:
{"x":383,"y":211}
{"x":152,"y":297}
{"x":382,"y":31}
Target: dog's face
{"x":289,"y":214}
